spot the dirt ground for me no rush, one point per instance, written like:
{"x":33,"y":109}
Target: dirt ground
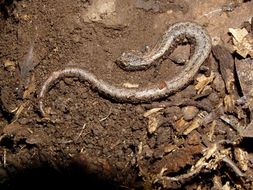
{"x":198,"y":138}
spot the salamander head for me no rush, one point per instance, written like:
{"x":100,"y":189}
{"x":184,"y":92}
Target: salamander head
{"x":130,"y":62}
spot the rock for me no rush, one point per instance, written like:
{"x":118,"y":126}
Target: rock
{"x":106,"y":12}
{"x":190,"y":112}
{"x":214,"y":98}
{"x":218,"y":84}
{"x":148,"y":152}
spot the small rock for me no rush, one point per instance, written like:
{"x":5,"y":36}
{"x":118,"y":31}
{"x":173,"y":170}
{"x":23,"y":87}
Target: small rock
{"x":218,"y":84}
{"x":194,"y":138}
{"x":173,"y":112}
{"x":189,"y":91}
{"x":3,"y":175}
{"x":23,"y":121}
{"x":34,"y":139}
{"x":147,"y":5}
{"x":214,"y":98}
{"x":216,"y":40}
{"x":148,"y":152}
{"x":190,"y":112}
{"x":169,"y":148}
{"x":139,"y":109}
{"x":76,"y":38}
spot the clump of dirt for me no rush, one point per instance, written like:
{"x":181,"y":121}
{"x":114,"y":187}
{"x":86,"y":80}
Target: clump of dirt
{"x":200,"y":132}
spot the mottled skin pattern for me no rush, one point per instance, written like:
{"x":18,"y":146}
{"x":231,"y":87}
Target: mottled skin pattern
{"x":131,"y":62}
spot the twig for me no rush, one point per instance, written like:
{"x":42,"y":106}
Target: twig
{"x":81,"y":132}
{"x":4,"y":158}
{"x":231,"y":123}
{"x":77,"y":137}
{"x":104,"y":118}
{"x":232,"y":165}
{"x":212,"y":12}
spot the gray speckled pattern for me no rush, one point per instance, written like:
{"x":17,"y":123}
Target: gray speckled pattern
{"x":130,"y":61}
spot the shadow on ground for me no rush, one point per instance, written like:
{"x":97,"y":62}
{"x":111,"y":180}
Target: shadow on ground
{"x":46,"y":177}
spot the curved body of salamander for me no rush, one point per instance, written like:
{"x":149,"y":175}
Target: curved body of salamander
{"x":130,"y":61}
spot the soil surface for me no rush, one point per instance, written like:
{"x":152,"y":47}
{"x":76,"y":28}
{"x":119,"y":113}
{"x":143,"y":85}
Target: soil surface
{"x":91,"y":140}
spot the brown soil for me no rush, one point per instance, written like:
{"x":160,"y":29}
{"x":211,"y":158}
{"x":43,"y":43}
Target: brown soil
{"x":91,"y":140}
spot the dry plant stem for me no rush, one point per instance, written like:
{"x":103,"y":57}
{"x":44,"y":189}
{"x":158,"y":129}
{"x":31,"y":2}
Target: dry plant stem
{"x":80,"y":134}
{"x":4,"y":158}
{"x":130,"y":61}
{"x":232,"y":165}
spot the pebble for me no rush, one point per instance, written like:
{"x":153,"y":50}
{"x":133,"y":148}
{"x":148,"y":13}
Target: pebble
{"x":214,"y":98}
{"x":147,"y":151}
{"x":189,"y":112}
{"x":218,"y":84}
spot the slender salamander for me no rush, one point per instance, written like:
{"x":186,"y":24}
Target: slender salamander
{"x":132,"y":62}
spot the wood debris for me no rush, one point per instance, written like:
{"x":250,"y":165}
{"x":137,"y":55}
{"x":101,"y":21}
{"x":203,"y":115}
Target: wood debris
{"x":153,"y":121}
{"x":242,"y":157}
{"x":130,"y":85}
{"x":9,"y":65}
{"x":243,"y":41}
{"x":197,"y":122}
{"x":244,"y":71}
{"x":203,"y":81}
{"x":226,"y":66}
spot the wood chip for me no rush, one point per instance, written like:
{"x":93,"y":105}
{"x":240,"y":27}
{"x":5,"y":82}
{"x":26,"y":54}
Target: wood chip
{"x":30,"y":88}
{"x":226,"y":65}
{"x":203,"y":81}
{"x":243,"y":41}
{"x":130,"y":85}
{"x":226,"y":186}
{"x":242,"y":157}
{"x":197,"y":122}
{"x":229,"y":103}
{"x":248,"y":131}
{"x":238,"y":34}
{"x":153,"y":121}
{"x":152,"y":111}
{"x":152,"y":124}
{"x":9,"y":65}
